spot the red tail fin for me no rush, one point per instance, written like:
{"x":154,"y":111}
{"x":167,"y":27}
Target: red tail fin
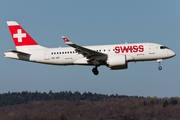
{"x":19,"y":35}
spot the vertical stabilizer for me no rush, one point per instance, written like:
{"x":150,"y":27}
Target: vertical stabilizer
{"x":21,"y":38}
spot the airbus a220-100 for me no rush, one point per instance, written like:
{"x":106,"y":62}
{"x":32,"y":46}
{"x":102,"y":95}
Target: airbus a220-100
{"x":115,"y":56}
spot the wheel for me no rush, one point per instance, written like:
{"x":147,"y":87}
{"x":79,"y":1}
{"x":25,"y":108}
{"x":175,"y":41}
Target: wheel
{"x":160,"y":68}
{"x":95,"y":71}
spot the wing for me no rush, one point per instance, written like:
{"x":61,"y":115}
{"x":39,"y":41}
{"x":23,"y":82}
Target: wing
{"x":86,"y":52}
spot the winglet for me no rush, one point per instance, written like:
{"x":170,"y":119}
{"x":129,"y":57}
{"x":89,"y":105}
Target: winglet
{"x":66,"y":40}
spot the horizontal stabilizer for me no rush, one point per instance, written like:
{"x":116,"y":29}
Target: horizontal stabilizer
{"x":14,"y":51}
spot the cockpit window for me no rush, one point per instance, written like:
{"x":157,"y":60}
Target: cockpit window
{"x":163,"y":47}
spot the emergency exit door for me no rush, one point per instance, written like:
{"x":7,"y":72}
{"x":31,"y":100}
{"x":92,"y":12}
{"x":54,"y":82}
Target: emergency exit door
{"x":46,"y":55}
{"x":151,"y":49}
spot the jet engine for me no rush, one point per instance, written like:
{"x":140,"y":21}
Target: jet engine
{"x":117,"y":62}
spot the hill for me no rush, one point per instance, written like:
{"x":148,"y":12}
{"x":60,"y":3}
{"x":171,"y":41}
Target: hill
{"x":86,"y":106}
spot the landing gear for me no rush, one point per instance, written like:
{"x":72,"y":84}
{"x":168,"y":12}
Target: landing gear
{"x":160,"y":68}
{"x":159,"y":61}
{"x":95,"y":71}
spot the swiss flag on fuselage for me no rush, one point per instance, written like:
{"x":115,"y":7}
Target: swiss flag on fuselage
{"x":19,"y":35}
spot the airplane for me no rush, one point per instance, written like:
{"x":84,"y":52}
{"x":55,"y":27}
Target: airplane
{"x":115,"y":56}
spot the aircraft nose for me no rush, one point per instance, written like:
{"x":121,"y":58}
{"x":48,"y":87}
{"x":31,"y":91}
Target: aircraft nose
{"x":172,"y":54}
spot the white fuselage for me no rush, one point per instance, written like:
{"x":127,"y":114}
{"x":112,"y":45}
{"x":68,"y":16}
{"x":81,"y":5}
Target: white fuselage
{"x":68,"y":55}
{"x":113,"y":56}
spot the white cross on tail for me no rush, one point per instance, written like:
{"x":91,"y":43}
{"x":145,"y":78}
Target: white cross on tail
{"x":19,"y":35}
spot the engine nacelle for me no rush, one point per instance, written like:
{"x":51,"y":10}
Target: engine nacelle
{"x":117,"y":62}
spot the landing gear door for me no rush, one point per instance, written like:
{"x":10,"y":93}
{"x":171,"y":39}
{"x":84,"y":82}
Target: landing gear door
{"x":46,"y":55}
{"x":151,"y":49}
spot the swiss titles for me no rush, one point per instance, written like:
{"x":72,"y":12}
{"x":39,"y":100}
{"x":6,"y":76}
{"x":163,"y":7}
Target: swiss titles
{"x":129,"y":49}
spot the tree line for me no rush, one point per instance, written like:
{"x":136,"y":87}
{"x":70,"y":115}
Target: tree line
{"x":67,"y":105}
{"x":25,"y":96}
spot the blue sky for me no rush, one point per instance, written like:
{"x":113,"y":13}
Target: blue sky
{"x":92,"y":23}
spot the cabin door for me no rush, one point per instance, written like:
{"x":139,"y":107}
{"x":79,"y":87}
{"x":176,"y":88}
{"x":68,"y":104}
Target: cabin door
{"x":151,"y":49}
{"x":46,"y":55}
